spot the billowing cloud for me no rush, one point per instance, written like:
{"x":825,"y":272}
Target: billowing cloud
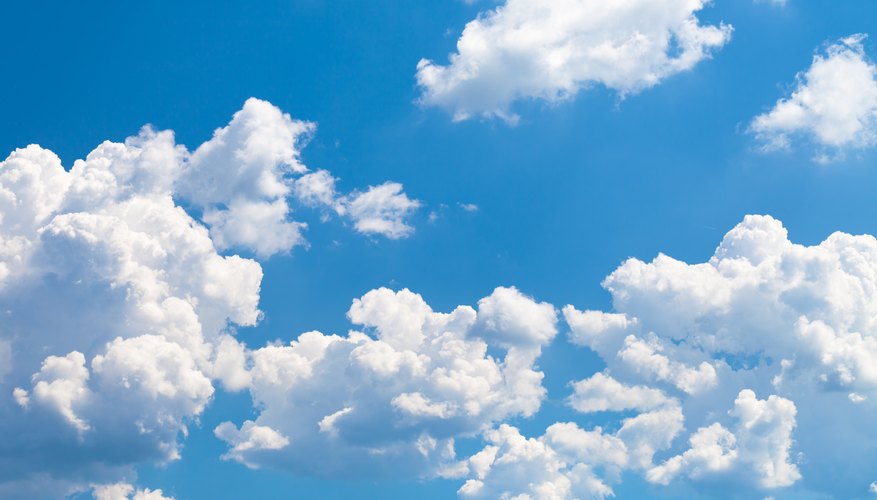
{"x":794,"y":324}
{"x":571,"y":462}
{"x":391,"y":399}
{"x":760,"y":445}
{"x":119,"y":305}
{"x":834,"y":104}
{"x":125,"y":491}
{"x":530,"y":49}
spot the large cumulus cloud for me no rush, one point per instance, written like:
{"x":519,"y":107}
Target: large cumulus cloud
{"x":391,"y":399}
{"x":119,"y":305}
{"x":781,"y":335}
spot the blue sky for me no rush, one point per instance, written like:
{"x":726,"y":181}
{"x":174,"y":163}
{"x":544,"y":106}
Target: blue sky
{"x":564,"y":196}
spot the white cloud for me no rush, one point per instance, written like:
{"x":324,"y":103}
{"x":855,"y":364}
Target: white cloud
{"x":244,"y":179}
{"x":646,"y":357}
{"x":249,"y":438}
{"x":529,"y":49}
{"x":318,"y":189}
{"x":239,"y":179}
{"x":124,"y":491}
{"x":834,"y":104}
{"x":509,"y":318}
{"x":760,"y":445}
{"x":568,"y":461}
{"x":469,"y":207}
{"x":393,"y":403}
{"x":764,"y":315}
{"x":603,"y":393}
{"x":118,"y":306}
{"x":381,"y":210}
{"x":513,"y":466}
{"x":115,"y":300}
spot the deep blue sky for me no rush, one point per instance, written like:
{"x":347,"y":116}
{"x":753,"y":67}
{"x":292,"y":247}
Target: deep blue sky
{"x":564,"y":196}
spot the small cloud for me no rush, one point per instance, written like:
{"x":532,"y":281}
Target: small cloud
{"x":469,"y":207}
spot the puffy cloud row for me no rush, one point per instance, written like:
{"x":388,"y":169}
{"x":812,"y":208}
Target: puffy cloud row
{"x":569,"y":461}
{"x":754,"y":367}
{"x":393,"y":402}
{"x":118,"y":303}
{"x":762,"y":316}
{"x":529,"y":49}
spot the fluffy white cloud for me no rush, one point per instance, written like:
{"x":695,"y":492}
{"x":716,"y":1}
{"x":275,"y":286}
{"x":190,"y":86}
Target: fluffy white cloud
{"x":601,"y":392}
{"x":393,"y":403}
{"x":568,"y":461}
{"x":114,"y":301}
{"x":763,"y":315}
{"x":243,"y":180}
{"x":834,"y":103}
{"x":250,"y":437}
{"x":760,"y":445}
{"x":530,"y":49}
{"x":509,"y":318}
{"x":381,"y":210}
{"x":118,"y":305}
{"x":239,"y":179}
{"x":124,"y":491}
{"x":513,"y":466}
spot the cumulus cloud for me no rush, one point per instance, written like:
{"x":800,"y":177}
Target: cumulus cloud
{"x":244,"y":178}
{"x":125,"y":491}
{"x":529,"y":49}
{"x":568,"y":461}
{"x":513,"y":466}
{"x":760,"y":445}
{"x":238,"y":178}
{"x":391,"y":399}
{"x":115,"y":298}
{"x":834,"y":104}
{"x":763,"y":315}
{"x":379,"y":210}
{"x":119,"y":307}
{"x":601,"y":392}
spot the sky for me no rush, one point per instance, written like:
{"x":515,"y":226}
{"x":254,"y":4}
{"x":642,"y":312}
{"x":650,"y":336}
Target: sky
{"x":474,"y":249}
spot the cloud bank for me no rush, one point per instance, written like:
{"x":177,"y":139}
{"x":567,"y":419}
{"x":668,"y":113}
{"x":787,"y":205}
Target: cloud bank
{"x":118,"y":302}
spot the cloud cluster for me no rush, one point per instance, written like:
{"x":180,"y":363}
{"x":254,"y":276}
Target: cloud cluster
{"x":118,"y":305}
{"x":125,"y":491}
{"x":761,"y":358}
{"x":571,"y":462}
{"x":391,"y":399}
{"x":834,"y":104}
{"x":762,"y":316}
{"x":530,"y":49}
